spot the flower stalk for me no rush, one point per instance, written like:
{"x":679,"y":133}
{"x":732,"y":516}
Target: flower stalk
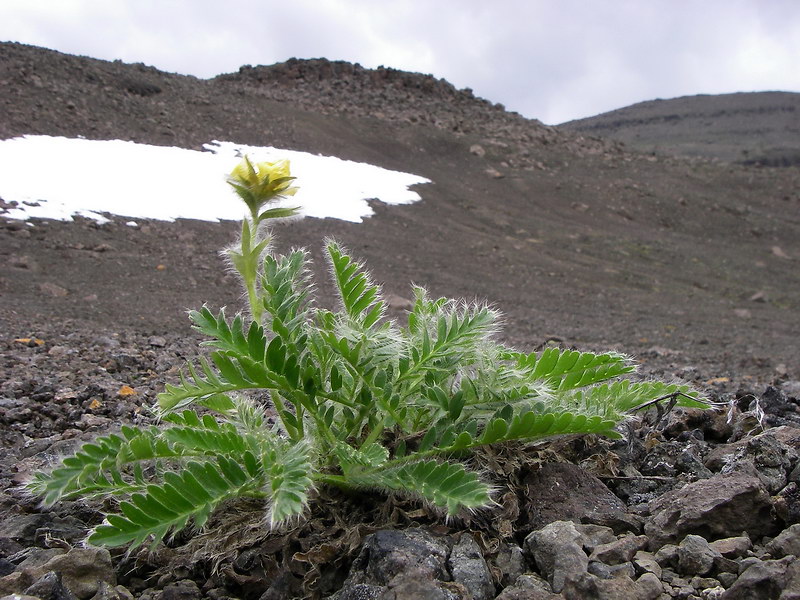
{"x":259,"y":185}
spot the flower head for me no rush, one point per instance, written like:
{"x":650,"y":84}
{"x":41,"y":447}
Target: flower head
{"x":259,"y":183}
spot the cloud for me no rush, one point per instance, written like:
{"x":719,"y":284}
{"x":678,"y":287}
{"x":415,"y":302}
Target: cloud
{"x":553,"y":61}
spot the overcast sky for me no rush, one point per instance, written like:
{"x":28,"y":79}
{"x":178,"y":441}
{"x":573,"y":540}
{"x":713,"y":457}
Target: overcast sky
{"x":554,"y":60}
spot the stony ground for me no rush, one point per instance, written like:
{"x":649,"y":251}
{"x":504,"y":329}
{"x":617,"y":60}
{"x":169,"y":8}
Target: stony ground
{"x":688,"y":265}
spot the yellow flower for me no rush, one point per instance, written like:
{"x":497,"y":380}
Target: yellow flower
{"x":259,"y":183}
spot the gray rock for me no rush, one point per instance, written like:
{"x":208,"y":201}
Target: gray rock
{"x":32,"y":566}
{"x":748,"y":562}
{"x":359,"y":591}
{"x":529,"y":587}
{"x":671,"y":577}
{"x":684,"y":592}
{"x":6,"y":567}
{"x":704,"y":583}
{"x":722,"y":564}
{"x":786,"y":542}
{"x":649,"y":586}
{"x":787,"y":504}
{"x":492,"y":172}
{"x":477,"y":150}
{"x":762,"y":580}
{"x":695,"y":556}
{"x":395,"y":302}
{"x":15,"y":583}
{"x":558,"y":552}
{"x":645,"y":562}
{"x":620,"y":550}
{"x":83,"y":570}
{"x":68,"y":529}
{"x":779,"y":409}
{"x":511,"y":562}
{"x":788,"y":438}
{"x":108,"y":592}
{"x":722,"y":506}
{"x":593,"y":536}
{"x":791,"y":589}
{"x":157,"y":341}
{"x":185,"y":589}
{"x":33,"y":558}
{"x":468,"y":567}
{"x":732,"y":547}
{"x":712,"y":424}
{"x":22,"y":528}
{"x":388,"y":553}
{"x":412,"y":586}
{"x":627,"y":569}
{"x":791,"y":388}
{"x":713,"y":593}
{"x":50,"y":587}
{"x":667,"y":555}
{"x":726,"y":579}
{"x":670,"y":459}
{"x":601,"y":570}
{"x":771,"y":458}
{"x":590,"y":587}
{"x":794,"y":474}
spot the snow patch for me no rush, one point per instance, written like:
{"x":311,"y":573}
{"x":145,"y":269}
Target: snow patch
{"x":58,"y":177}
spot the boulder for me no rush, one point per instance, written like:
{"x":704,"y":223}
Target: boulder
{"x":620,"y":550}
{"x":388,"y":553}
{"x":558,"y":552}
{"x":785,"y":543}
{"x":468,"y":567}
{"x":565,"y":492}
{"x":511,"y":562}
{"x":763,"y":580}
{"x":50,"y":587}
{"x":84,"y":569}
{"x":719,"y":507}
{"x":404,"y":565}
{"x":81,"y":571}
{"x":732,"y":547}
{"x":695,"y":556}
{"x":649,"y":587}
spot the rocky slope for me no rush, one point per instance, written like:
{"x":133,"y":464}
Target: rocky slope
{"x":753,"y":128}
{"x":687,"y":263}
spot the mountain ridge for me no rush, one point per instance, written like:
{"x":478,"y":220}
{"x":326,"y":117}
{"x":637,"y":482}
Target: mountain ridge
{"x":761,"y":128}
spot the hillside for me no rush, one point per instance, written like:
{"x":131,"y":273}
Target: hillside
{"x":570,"y":236}
{"x":690,"y":264}
{"x":761,"y":128}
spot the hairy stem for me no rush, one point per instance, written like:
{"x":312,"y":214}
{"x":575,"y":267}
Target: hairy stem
{"x":376,"y":432}
{"x":249,"y":270}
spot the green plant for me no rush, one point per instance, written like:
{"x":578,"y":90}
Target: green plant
{"x":354,"y":400}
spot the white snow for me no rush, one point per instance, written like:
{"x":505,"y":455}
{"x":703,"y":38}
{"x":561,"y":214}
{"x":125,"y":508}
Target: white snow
{"x":57,"y":177}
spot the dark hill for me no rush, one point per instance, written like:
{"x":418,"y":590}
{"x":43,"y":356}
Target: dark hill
{"x":570,"y":236}
{"x":750,"y":128}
